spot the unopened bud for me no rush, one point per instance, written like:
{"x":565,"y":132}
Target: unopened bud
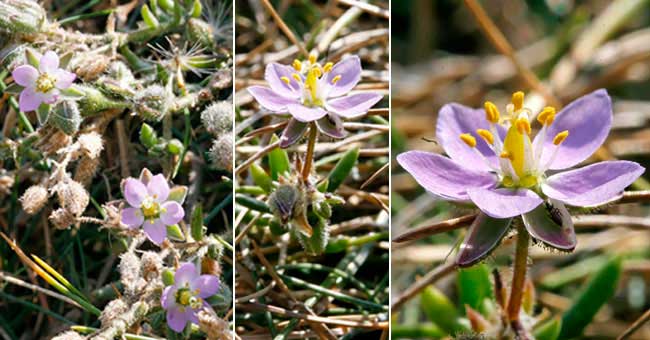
{"x":34,"y":198}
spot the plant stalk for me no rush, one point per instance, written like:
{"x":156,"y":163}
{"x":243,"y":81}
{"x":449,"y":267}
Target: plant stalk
{"x":519,"y":274}
{"x":309,"y":157}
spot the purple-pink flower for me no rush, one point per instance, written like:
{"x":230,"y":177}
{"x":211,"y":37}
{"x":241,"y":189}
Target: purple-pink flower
{"x":42,"y":85}
{"x":312,"y":92}
{"x":186,"y":297}
{"x":494,"y":163}
{"x":150,"y":207}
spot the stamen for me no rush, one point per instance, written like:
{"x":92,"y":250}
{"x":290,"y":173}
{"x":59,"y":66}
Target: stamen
{"x":468,"y":139}
{"x":491,"y":112}
{"x":560,"y":137}
{"x":486,"y":135}
{"x":547,"y":116}
{"x":518,"y":100}
{"x":296,"y":76}
{"x":312,"y":58}
{"x":523,"y":125}
{"x":286,"y":80}
{"x":336,"y":79}
{"x":317,"y":72}
{"x":508,"y":155}
{"x":328,"y":67}
{"x":297,"y":65}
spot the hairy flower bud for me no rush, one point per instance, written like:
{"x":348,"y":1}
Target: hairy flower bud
{"x":72,"y":196}
{"x":221,"y":152}
{"x":21,"y":16}
{"x":34,"y":198}
{"x":62,"y":218}
{"x":91,"y":144}
{"x":217,"y":118}
{"x":152,"y":103}
{"x":201,"y":32}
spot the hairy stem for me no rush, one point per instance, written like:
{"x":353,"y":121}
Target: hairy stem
{"x":519,"y":274}
{"x":309,"y":157}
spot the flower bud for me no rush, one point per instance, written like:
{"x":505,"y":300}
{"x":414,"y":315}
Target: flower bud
{"x":201,"y":32}
{"x":91,"y":144}
{"x":217,"y":118}
{"x":221,"y":152}
{"x":66,"y":117}
{"x":21,"y":16}
{"x":175,"y":147}
{"x":94,"y":101}
{"x":34,"y":198}
{"x":148,"y":136}
{"x":62,"y":218}
{"x":283,"y":201}
{"x":167,"y":277}
{"x":152,"y":103}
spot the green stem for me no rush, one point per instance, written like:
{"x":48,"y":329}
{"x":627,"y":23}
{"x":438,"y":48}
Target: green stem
{"x":309,"y":157}
{"x":519,"y":274}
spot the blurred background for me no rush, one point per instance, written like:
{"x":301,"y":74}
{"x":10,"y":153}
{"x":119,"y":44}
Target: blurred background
{"x":440,"y":55}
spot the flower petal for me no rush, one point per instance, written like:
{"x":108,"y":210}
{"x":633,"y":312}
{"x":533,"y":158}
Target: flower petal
{"x":132,"y":217}
{"x":172,"y":213}
{"x":353,"y":105}
{"x":158,"y":188}
{"x":177,"y":319}
{"x":25,"y":75}
{"x":49,"y":62}
{"x":332,"y":126}
{"x":269,"y":99}
{"x":442,"y":176}
{"x":483,"y":236}
{"x":273,"y":75}
{"x":29,"y":100}
{"x":156,"y":230}
{"x":207,"y":285}
{"x":292,"y":133}
{"x":350,"y":71}
{"x":588,"y":120}
{"x":168,"y":299}
{"x":504,"y":203}
{"x":594,"y":184}
{"x":454,"y":120}
{"x":185,"y":274}
{"x":64,"y":79}
{"x":51,"y":96}
{"x":552,"y":225}
{"x":306,"y":114}
{"x":134,"y":192}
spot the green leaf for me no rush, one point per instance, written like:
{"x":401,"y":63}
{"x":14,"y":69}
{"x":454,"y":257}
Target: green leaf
{"x":597,"y":292}
{"x":261,"y":178}
{"x":175,"y":232}
{"x":178,"y":194}
{"x":168,"y":277}
{"x":43,"y":113}
{"x":196,"y":224}
{"x":278,"y":161}
{"x":342,"y":169}
{"x":66,"y":117}
{"x":251,"y":203}
{"x":148,"y":17}
{"x":474,"y":286}
{"x":550,"y":330}
{"x":148,"y":136}
{"x":197,"y":7}
{"x":440,"y":310}
{"x":317,"y":242}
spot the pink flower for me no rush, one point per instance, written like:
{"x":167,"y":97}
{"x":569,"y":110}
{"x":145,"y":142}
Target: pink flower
{"x":314,"y":93}
{"x":150,"y":207}
{"x":185,"y":298}
{"x":42,"y":85}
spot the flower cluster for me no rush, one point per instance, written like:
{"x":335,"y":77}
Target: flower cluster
{"x":312,"y":92}
{"x":494,"y":163}
{"x":151,"y":205}
{"x":42,"y":85}
{"x":184,"y":299}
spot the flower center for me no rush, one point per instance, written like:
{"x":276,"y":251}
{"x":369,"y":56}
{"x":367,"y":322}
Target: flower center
{"x":45,"y":82}
{"x":520,"y":158}
{"x":150,"y":208}
{"x":314,"y":87}
{"x":185,"y":297}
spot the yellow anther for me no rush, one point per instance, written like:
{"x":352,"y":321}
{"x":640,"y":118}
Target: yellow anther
{"x":518,"y":100}
{"x":336,"y":79}
{"x":468,"y":139}
{"x":328,"y":67}
{"x":560,"y":137}
{"x":486,"y":135}
{"x":491,"y":113}
{"x":286,"y":80}
{"x":297,"y":65}
{"x":296,"y":76}
{"x":312,"y":58}
{"x":523,"y":125}
{"x":506,"y":154}
{"x":317,"y":72}
{"x":547,"y":116}
{"x":508,"y":182}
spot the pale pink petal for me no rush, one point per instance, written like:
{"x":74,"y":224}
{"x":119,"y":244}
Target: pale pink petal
{"x":51,"y":96}
{"x":25,"y":75}
{"x":64,"y":79}
{"x":350,"y":71}
{"x":273,"y":75}
{"x":270,"y":100}
{"x":156,"y":230}
{"x":168,"y":298}
{"x":504,"y":203}
{"x":49,"y":62}
{"x":158,"y":188}
{"x":177,"y":319}
{"x":306,"y":114}
{"x":207,"y":285}
{"x":185,"y":274}
{"x":29,"y":100}
{"x":172,"y":212}
{"x":353,"y":105}
{"x":132,"y":217}
{"x":134,"y":192}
